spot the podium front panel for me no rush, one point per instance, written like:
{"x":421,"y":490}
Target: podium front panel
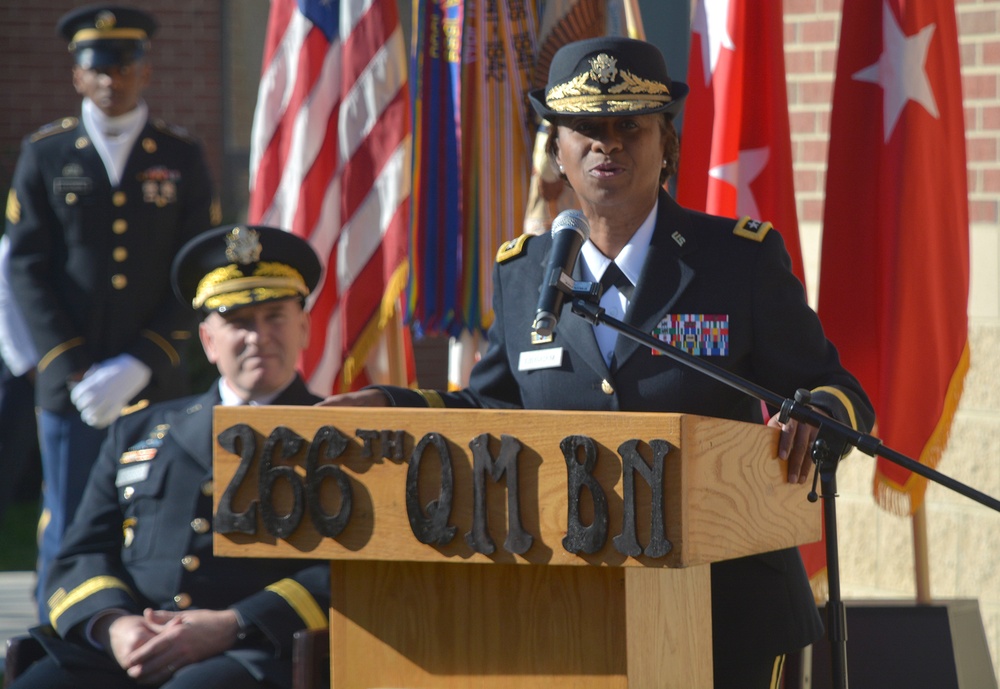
{"x":412,"y":481}
{"x":584,"y":536}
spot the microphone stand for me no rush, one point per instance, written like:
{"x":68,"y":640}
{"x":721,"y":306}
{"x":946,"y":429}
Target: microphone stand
{"x":830,"y":445}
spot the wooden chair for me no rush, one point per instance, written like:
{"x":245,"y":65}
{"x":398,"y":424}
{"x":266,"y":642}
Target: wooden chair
{"x":22,"y":651}
{"x":311,"y":659}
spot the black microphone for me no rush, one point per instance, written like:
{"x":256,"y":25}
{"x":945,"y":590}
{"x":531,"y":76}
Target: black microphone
{"x":570,"y":230}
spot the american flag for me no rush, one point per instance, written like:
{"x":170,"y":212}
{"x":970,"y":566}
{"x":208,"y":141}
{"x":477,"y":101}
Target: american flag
{"x":330,"y":161}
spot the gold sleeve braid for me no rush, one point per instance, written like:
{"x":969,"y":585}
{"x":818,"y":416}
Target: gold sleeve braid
{"x":61,"y":601}
{"x":301,"y":601}
{"x":844,"y":400}
{"x":168,"y":349}
{"x":432,"y":398}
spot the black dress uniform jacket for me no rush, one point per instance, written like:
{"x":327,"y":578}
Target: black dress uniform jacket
{"x":144,"y":539}
{"x":696,"y":264}
{"x":90,"y":263}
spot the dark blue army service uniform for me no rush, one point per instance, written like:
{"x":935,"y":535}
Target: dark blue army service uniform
{"x":697,"y":266}
{"x":90,"y":268}
{"x":90,"y":263}
{"x":147,"y":542}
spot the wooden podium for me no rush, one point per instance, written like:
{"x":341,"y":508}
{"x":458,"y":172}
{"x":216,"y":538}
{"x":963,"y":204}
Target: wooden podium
{"x":419,"y":599}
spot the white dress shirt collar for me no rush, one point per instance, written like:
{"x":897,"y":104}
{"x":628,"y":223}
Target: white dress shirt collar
{"x":230,"y":398}
{"x":114,"y":137}
{"x":630,"y":261}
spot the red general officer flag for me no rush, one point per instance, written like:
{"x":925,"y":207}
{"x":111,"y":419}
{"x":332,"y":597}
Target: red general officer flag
{"x":736,"y":152}
{"x":330,"y":161}
{"x":894,"y":283}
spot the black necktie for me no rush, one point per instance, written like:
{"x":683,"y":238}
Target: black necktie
{"x":613,"y":275}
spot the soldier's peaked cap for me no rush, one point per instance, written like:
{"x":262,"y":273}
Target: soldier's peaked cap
{"x":106,"y":35}
{"x":608,"y":76}
{"x":234,"y":266}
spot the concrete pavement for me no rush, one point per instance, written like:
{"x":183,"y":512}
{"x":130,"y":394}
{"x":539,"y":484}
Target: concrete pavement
{"x":17,"y":605}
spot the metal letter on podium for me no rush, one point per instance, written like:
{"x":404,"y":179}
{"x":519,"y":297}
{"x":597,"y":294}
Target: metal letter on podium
{"x":507,"y":549}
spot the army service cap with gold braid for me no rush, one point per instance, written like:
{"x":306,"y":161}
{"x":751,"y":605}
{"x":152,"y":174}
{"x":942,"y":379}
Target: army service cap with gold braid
{"x":240,"y":265}
{"x":608,"y":76}
{"x":107,"y":35}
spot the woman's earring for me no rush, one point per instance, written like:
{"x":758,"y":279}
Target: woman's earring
{"x":664,"y":162}
{"x":562,"y":170}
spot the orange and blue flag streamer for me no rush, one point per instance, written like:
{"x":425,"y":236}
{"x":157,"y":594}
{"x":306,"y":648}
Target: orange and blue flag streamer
{"x":473,"y":129}
{"x":503,"y":41}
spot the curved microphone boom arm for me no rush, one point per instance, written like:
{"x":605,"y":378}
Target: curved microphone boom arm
{"x":831,"y":444}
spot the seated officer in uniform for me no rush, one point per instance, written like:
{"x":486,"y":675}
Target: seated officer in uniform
{"x":136,"y":596}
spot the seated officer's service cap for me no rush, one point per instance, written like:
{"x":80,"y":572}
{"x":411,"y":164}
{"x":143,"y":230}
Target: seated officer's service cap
{"x":240,"y":265}
{"x":608,"y":76}
{"x":107,"y":35}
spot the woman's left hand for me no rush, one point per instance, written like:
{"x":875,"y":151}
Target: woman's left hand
{"x":795,"y":446}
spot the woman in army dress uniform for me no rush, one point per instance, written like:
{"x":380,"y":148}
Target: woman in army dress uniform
{"x":728,"y":285}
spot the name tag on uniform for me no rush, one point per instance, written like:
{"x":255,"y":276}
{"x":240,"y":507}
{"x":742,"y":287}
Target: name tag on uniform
{"x":132,"y":474}
{"x":536,"y":359}
{"x":75,"y":185}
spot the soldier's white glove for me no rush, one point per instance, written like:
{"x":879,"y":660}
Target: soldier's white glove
{"x":107,"y":387}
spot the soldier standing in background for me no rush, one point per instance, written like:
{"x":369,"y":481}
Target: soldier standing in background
{"x":98,"y":207}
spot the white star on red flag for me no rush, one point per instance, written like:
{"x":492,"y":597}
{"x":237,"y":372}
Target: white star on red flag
{"x":711,"y":22}
{"x":741,"y":173}
{"x":901,"y":71}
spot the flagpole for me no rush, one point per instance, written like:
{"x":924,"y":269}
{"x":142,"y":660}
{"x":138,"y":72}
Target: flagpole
{"x":633,"y":20}
{"x":393,"y":334}
{"x":921,"y":559}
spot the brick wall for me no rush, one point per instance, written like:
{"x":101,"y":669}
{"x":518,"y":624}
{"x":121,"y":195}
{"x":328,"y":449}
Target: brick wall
{"x":964,"y":538}
{"x":37,"y":84}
